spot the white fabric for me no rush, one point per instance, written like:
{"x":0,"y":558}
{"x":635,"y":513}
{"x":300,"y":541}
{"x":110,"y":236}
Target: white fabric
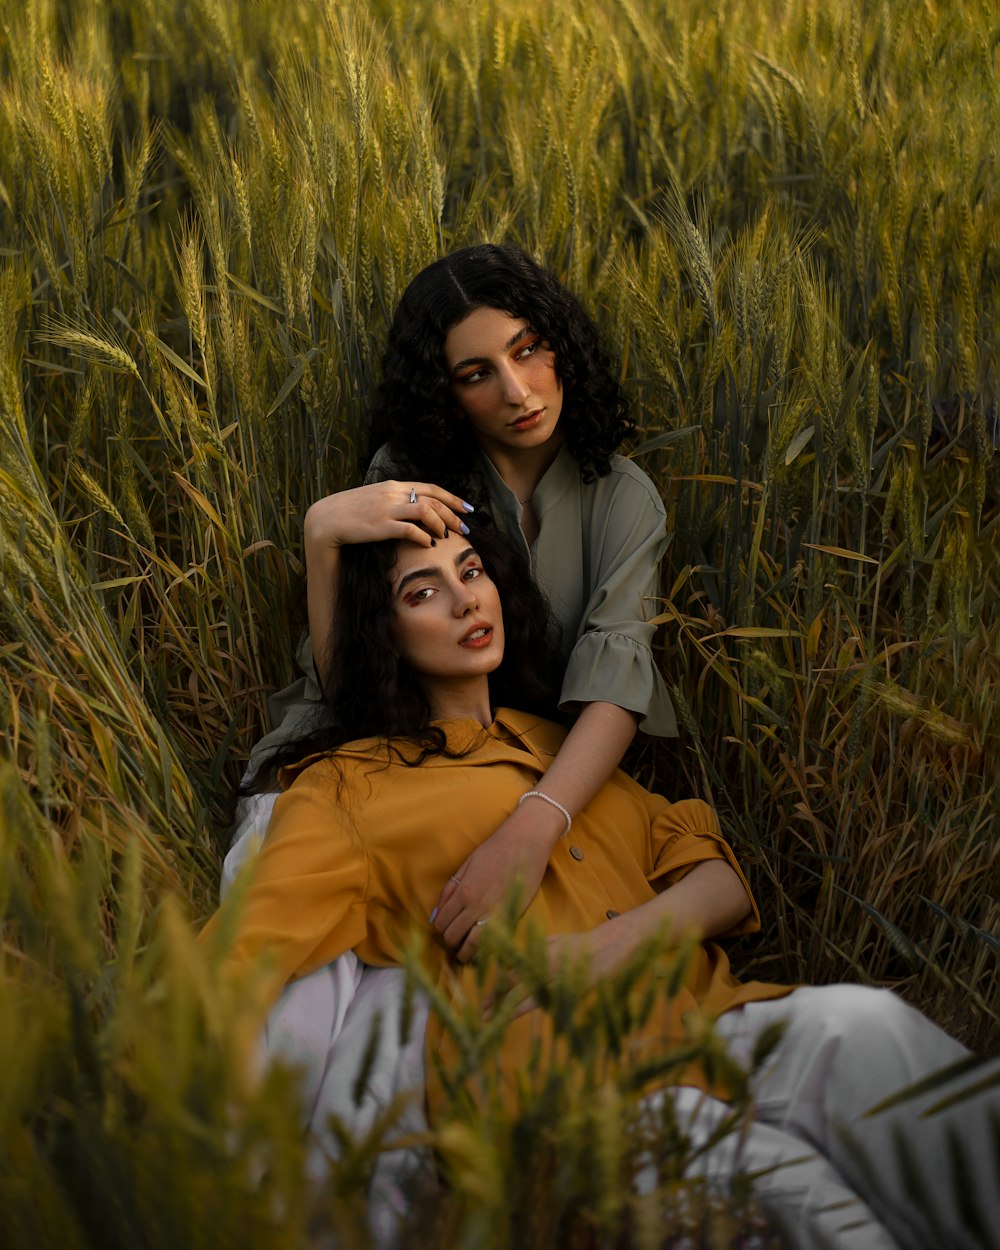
{"x":332,"y":1029}
{"x":324,"y":1025}
{"x":307,"y":1020}
{"x":847,"y":1048}
{"x":253,"y":813}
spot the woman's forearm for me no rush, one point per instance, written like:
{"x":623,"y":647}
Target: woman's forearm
{"x":322,"y":572}
{"x":522,"y":845}
{"x":592,"y":751}
{"x":709,"y":900}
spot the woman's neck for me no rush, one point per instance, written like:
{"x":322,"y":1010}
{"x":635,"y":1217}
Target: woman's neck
{"x":459,"y":699}
{"x":523,"y":470}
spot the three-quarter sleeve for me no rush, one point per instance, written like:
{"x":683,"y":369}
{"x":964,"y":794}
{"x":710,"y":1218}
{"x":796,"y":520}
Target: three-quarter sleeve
{"x":305,"y":902}
{"x":687,"y":833}
{"x":611,"y":660}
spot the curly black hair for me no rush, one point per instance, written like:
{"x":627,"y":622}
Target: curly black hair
{"x":414,"y":409}
{"x":373,"y":693}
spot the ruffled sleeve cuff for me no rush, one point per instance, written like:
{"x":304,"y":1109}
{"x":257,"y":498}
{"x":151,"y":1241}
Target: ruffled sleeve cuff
{"x":614,"y":668}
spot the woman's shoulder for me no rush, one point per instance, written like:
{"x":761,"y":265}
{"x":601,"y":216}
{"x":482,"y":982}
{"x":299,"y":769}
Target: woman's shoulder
{"x":320,"y":767}
{"x":447,"y":743}
{"x":625,"y":497}
{"x":627,"y":478}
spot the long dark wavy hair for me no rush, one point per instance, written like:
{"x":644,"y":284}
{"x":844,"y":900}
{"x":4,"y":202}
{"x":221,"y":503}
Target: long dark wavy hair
{"x":372,"y":692}
{"x":415,"y":409}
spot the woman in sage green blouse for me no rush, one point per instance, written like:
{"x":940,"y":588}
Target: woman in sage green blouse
{"x":498,"y":397}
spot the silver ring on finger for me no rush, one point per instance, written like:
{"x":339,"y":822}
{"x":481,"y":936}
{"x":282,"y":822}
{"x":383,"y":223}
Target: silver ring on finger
{"x":485,"y":920}
{"x":457,"y":880}
{"x":413,"y":494}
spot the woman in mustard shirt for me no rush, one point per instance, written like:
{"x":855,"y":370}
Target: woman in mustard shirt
{"x":409,"y":778}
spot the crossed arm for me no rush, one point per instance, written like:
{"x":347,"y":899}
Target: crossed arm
{"x":522,"y":845}
{"x":708,"y":901}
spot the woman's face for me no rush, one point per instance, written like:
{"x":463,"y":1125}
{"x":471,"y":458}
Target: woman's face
{"x":503,"y":376}
{"x":448,"y":621}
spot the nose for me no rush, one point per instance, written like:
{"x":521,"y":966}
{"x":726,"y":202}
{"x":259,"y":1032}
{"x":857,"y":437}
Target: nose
{"x":466,"y":598}
{"x":515,"y":389}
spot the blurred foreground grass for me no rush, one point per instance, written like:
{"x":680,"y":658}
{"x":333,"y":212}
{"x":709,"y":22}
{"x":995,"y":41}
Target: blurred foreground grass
{"x":784,"y":216}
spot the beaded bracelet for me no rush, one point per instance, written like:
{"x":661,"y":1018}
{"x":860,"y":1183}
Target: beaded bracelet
{"x":537,"y":794}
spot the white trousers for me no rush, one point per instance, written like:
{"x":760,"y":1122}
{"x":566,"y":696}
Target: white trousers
{"x":829,"y":1176}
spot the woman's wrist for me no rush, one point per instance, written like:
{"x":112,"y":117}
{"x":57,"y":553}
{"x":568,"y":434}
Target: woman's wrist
{"x":553,"y":803}
{"x":316,"y":532}
{"x":544,"y":825}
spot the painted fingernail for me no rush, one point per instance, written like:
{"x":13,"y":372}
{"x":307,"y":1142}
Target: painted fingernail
{"x":467,"y":506}
{"x":464,"y":528}
{"x":446,"y":534}
{"x":434,"y":915}
{"x":434,"y":542}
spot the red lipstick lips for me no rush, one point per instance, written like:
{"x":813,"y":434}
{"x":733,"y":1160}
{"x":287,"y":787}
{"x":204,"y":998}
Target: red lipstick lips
{"x":480,"y":635}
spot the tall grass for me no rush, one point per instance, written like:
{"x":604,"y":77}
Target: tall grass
{"x":784,"y":218}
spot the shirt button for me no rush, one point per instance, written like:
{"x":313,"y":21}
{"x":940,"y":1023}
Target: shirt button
{"x":576,"y":852}
{"x":611,"y":913}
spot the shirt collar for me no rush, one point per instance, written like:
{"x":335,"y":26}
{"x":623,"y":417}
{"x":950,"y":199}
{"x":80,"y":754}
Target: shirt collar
{"x":509,"y":730}
{"x":557,"y":479}
{"x":561,"y":475}
{"x":510,"y":737}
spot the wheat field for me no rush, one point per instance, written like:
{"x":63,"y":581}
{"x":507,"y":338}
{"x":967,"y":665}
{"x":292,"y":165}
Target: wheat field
{"x":784,"y":218}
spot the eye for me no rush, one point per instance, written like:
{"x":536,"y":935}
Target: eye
{"x":421,"y":595}
{"x":477,"y":375}
{"x":529,"y":349}
{"x":472,"y":571}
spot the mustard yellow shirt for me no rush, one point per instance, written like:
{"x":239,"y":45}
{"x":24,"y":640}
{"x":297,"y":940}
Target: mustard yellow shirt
{"x":360,"y":845}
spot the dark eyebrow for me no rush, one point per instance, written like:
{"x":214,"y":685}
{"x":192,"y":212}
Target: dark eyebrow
{"x":511,"y":342}
{"x":414,"y":574}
